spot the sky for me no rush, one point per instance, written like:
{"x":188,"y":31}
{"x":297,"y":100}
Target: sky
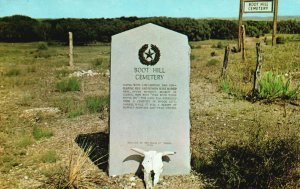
{"x":140,"y":8}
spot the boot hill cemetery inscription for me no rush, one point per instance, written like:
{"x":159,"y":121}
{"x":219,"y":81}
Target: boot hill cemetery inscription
{"x":149,"y":98}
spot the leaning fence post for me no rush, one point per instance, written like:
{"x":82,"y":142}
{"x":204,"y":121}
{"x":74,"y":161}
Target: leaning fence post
{"x":225,"y":62}
{"x":259,"y":61}
{"x":71,"y":49}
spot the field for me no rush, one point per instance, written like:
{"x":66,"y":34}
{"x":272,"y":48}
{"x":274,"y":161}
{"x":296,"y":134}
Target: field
{"x":43,"y":148}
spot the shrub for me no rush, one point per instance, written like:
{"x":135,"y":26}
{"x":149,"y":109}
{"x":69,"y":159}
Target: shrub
{"x":276,"y":86}
{"x":49,"y":157}
{"x":220,"y":45}
{"x":70,"y":84}
{"x":213,"y":53}
{"x":13,"y":72}
{"x":256,"y":163}
{"x":280,"y":40}
{"x":39,"y":133}
{"x":96,"y":103}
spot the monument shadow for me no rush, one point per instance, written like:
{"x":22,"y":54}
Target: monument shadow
{"x":98,"y":143}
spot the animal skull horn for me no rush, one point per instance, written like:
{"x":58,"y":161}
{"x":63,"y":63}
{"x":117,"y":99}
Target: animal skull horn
{"x":152,"y":163}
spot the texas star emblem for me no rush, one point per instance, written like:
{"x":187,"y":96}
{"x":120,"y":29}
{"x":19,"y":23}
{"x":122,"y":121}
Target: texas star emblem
{"x":149,"y":56}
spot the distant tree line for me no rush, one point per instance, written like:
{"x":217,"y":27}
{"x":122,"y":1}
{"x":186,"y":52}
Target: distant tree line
{"x":19,"y":28}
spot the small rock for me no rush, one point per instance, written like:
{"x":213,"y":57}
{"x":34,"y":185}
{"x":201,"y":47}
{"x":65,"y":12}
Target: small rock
{"x":26,"y":177}
{"x":35,"y":113}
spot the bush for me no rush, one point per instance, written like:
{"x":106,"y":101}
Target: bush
{"x":276,"y":86}
{"x":256,"y":163}
{"x":280,"y":40}
{"x":70,"y":84}
{"x":96,"y":103}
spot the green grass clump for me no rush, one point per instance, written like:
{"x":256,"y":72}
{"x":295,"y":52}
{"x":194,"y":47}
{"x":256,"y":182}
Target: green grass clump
{"x":96,"y":104}
{"x":225,"y":85}
{"x":256,"y":163}
{"x":276,"y":86}
{"x":13,"y":72}
{"x":70,"y":84}
{"x":39,"y":133}
{"x":49,"y":157}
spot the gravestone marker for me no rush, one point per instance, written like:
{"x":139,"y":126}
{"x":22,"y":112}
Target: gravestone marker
{"x":149,"y":103}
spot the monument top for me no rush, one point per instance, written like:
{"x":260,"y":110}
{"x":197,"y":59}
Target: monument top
{"x":150,"y":28}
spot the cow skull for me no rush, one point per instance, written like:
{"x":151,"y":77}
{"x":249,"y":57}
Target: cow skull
{"x":152,"y":162}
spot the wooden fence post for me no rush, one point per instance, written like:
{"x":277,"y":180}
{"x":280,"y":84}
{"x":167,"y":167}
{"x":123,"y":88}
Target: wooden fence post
{"x":71,"y":49}
{"x":240,"y":23}
{"x":259,"y":61}
{"x":225,"y":62}
{"x":275,"y":22}
{"x":243,"y":40}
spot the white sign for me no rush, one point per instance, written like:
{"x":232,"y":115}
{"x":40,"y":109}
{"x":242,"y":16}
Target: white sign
{"x":258,"y":6}
{"x":150,"y":102}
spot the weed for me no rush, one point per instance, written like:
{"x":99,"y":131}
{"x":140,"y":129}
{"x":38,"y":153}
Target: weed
{"x":96,"y":104}
{"x":13,"y":72}
{"x":49,"y":157}
{"x":39,"y":133}
{"x":276,"y":86}
{"x":70,"y":84}
{"x":73,"y":174}
{"x":225,"y":85}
